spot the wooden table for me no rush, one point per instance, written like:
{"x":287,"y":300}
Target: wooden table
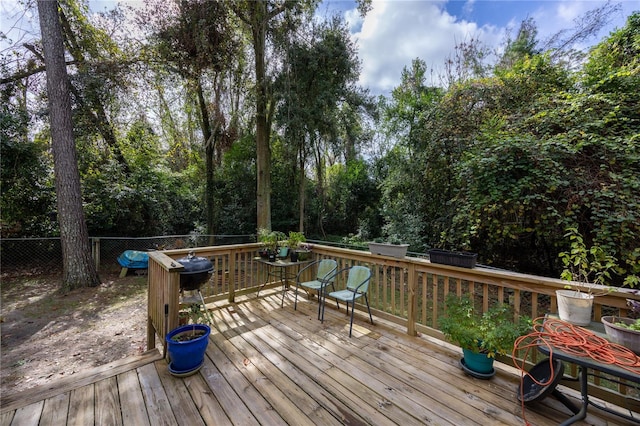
{"x":585,"y":363}
{"x":280,"y":270}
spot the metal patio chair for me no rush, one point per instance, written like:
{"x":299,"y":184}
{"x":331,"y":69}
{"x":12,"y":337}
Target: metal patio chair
{"x":357,"y":287}
{"x":324,"y":277}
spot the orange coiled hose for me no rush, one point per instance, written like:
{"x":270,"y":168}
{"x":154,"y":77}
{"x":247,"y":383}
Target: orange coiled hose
{"x":574,"y":340}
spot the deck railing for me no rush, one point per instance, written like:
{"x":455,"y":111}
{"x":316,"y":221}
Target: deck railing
{"x":408,"y":291}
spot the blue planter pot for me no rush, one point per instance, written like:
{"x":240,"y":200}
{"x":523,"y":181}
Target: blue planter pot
{"x":478,"y":362}
{"x":187,"y":355}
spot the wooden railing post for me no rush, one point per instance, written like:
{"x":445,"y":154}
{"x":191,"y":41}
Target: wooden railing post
{"x":412,"y":301}
{"x":232,"y":276}
{"x":163,"y":296}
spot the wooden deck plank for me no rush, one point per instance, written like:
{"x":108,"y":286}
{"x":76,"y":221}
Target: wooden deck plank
{"x":500,"y":395}
{"x":230,"y":402}
{"x":282,"y":359}
{"x":184,"y":409}
{"x":6,"y":418}
{"x":81,"y":406}
{"x":288,"y":376}
{"x":299,"y":406}
{"x":369,"y":405}
{"x":208,"y":406}
{"x":364,"y":403}
{"x":315,"y":340}
{"x":158,"y":406}
{"x":19,"y":399}
{"x":134,"y":411}
{"x":108,"y":410}
{"x":403,"y":371}
{"x":350,"y":408}
{"x":55,"y":410}
{"x":337,"y":343}
{"x":277,"y":400}
{"x":367,"y":375}
{"x":28,"y":415}
{"x":255,"y":402}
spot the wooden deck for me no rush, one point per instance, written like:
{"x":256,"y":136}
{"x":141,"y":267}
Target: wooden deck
{"x":268,"y":365}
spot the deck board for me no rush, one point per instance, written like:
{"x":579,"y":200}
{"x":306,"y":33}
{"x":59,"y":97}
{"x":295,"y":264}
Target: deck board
{"x":134,"y":411}
{"x":81,"y":406}
{"x":183,"y":407}
{"x":272,"y":365}
{"x":155,"y":396}
{"x":55,"y":410}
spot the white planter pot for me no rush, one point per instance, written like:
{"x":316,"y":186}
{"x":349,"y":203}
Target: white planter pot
{"x":393,"y":250}
{"x":574,"y":307}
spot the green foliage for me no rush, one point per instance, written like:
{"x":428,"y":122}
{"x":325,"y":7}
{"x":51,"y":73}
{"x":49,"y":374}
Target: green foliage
{"x":352,"y":200}
{"x":614,"y":64}
{"x":27,"y":205}
{"x":589,"y":265}
{"x":271,"y":239}
{"x":194,"y":314}
{"x":635,"y":326}
{"x":493,"y":331}
{"x":295,"y":238}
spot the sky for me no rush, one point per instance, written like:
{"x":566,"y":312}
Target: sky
{"x":395,"y":32}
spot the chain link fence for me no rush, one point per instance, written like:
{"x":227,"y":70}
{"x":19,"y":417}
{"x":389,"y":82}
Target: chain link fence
{"x":40,"y":255}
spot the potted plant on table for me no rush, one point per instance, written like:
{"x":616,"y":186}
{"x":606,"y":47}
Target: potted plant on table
{"x":293,"y":242}
{"x":481,"y":335}
{"x":270,"y":241}
{"x":187,"y":343}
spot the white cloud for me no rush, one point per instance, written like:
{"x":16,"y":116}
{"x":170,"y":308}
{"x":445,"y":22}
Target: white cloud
{"x":396,"y":32}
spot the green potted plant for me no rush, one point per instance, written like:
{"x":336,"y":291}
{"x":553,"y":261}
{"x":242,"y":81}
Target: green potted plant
{"x":293,"y":242}
{"x":187,"y":343}
{"x":588,"y":270}
{"x":481,"y":335}
{"x":270,"y":241}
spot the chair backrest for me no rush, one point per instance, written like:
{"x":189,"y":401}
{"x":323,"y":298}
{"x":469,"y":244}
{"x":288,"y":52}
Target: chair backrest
{"x":326,"y":268}
{"x":357,"y":276}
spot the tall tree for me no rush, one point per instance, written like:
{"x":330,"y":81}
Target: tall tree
{"x":260,"y":17}
{"x":317,"y":94}
{"x":78,"y":266}
{"x":197,"y":40}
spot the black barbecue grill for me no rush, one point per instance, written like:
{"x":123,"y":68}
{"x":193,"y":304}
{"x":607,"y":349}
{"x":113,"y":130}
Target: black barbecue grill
{"x":197,"y":271}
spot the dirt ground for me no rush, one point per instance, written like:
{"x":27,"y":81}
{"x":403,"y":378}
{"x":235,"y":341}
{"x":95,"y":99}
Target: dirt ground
{"x":47,"y":335}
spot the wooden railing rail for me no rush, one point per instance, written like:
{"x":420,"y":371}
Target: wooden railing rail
{"x":408,"y":291}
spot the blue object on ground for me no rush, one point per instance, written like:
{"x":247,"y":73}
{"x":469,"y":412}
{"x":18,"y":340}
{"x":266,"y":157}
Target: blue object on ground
{"x":134,"y":259}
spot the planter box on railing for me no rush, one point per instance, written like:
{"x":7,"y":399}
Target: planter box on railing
{"x":393,"y":250}
{"x":453,"y":258}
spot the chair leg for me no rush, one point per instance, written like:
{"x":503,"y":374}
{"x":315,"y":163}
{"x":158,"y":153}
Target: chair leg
{"x":295,"y":302}
{"x":352,"y":310}
{"x":320,"y":303}
{"x":368,"y":308}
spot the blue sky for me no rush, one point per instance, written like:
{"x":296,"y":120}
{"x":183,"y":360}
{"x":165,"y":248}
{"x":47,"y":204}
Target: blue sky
{"x":395,"y":32}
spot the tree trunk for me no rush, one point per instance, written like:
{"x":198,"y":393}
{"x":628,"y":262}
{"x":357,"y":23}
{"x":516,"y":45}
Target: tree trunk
{"x":209,"y":150}
{"x":79,"y":268}
{"x":301,"y":188}
{"x":263,"y":150}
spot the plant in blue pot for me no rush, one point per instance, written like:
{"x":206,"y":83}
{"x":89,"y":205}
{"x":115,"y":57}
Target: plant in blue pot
{"x":481,"y":335}
{"x":187,"y":344}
